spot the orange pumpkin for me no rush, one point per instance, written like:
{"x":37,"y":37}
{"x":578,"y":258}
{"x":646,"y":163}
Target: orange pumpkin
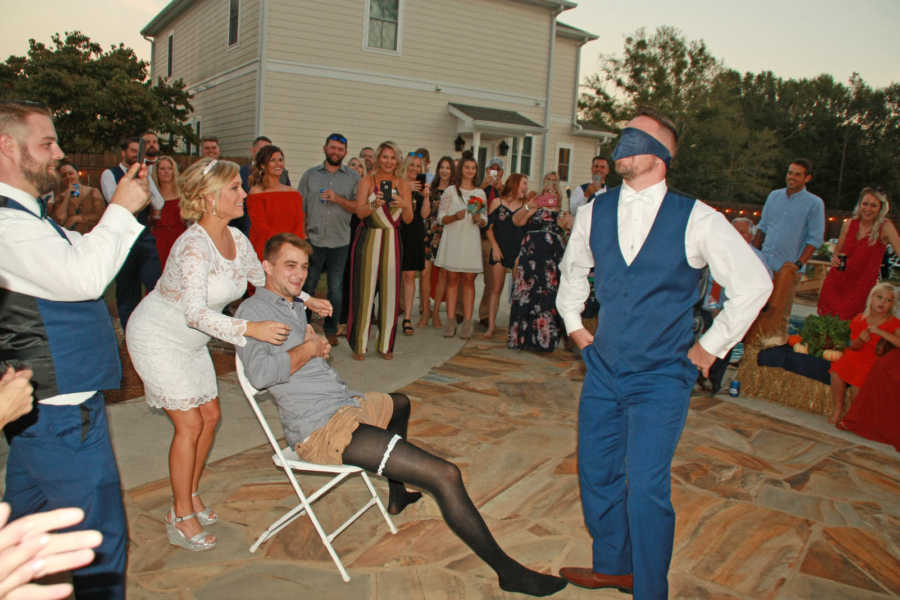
{"x":832,"y":355}
{"x":794,"y":339}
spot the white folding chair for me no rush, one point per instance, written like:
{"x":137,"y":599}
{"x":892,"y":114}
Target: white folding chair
{"x":287,"y":459}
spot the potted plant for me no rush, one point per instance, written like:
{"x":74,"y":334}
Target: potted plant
{"x":822,"y":333}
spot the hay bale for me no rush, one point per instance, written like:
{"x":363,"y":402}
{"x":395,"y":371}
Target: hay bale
{"x":781,"y":386}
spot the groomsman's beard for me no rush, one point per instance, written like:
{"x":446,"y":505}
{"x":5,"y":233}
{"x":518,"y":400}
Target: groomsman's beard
{"x":43,"y":176}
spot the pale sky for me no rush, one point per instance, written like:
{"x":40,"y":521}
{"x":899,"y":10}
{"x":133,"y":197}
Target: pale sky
{"x":793,"y":38}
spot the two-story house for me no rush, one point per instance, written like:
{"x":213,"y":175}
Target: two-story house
{"x":497,"y":75}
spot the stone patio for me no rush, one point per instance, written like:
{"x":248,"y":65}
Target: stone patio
{"x":767,"y":508}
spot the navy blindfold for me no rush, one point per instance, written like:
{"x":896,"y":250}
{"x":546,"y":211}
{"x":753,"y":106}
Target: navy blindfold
{"x":634,"y":141}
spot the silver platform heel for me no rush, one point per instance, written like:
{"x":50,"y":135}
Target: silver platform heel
{"x":206,"y":516}
{"x":177,"y":537}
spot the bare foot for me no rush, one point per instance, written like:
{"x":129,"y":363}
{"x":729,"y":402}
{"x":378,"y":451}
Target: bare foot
{"x":834,"y":418}
{"x":423,"y":321}
{"x":436,"y":321}
{"x":489,"y":333}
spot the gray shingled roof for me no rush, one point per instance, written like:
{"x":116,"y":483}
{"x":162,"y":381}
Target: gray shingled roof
{"x":495,"y":115}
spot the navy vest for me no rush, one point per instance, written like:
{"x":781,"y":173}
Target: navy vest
{"x":70,"y":346}
{"x":645,"y":321}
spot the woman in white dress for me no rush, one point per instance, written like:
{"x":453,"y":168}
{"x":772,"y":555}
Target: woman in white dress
{"x":462,"y":213}
{"x":208,"y":267}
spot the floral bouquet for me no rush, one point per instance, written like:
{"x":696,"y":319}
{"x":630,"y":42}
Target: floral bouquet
{"x":475,"y":205}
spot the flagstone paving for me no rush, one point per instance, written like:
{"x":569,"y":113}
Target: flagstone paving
{"x":765,"y":508}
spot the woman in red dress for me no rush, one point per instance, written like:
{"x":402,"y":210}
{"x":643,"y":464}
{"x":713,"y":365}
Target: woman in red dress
{"x":875,"y":413}
{"x":865,"y":331}
{"x":169,"y":224}
{"x":272,"y":206}
{"x":863,"y":239}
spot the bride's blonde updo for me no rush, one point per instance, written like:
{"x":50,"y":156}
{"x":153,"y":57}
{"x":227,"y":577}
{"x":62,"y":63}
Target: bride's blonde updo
{"x":205,"y":178}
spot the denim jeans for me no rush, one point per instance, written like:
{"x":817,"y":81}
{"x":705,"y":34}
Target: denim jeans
{"x":333,"y":261}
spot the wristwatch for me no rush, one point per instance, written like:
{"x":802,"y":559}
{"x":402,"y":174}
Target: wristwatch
{"x":798,"y":263}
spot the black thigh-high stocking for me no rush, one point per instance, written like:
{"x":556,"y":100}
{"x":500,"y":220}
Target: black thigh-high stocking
{"x":443,"y":480}
{"x":399,"y":497}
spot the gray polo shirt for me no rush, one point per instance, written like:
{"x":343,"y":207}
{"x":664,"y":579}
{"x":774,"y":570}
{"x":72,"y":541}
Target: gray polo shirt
{"x":327,"y":223}
{"x":307,"y":399}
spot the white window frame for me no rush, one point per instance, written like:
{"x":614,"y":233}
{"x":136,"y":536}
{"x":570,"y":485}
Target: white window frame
{"x":569,"y":166}
{"x":237,"y":33}
{"x":170,"y":53}
{"x":365,"y":39}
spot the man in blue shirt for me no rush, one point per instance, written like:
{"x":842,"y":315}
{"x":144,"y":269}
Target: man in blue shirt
{"x":793,"y":221}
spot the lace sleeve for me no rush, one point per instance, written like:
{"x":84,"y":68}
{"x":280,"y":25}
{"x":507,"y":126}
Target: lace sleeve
{"x":249,"y":262}
{"x":195,"y":260}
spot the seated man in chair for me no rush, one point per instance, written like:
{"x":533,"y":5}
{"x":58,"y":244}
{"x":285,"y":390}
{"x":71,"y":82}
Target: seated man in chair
{"x":326,"y":422}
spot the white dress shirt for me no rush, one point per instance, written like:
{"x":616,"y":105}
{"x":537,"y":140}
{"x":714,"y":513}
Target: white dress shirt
{"x":709,"y":239}
{"x":35,"y":260}
{"x":108,"y":187}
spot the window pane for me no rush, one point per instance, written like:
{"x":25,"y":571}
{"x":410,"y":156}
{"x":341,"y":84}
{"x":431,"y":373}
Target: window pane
{"x":374,"y":33}
{"x":391,"y":9}
{"x":514,"y":162}
{"x":376,"y":11}
{"x":389,"y":36}
{"x":562,"y":164}
{"x":526,"y":155}
{"x":233,"y":14}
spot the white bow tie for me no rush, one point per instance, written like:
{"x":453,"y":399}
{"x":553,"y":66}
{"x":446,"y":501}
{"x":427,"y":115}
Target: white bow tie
{"x":628,"y":196}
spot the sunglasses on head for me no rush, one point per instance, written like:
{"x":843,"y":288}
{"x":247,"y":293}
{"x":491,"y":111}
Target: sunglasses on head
{"x":416,"y":154}
{"x":337,"y":138}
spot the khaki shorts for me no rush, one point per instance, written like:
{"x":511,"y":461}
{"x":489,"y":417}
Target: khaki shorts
{"x":326,"y":444}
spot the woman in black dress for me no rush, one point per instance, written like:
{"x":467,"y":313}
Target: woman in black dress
{"x":505,"y":238}
{"x":412,"y":236}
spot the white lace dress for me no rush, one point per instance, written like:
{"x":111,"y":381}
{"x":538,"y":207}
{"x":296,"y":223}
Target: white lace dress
{"x":168,"y":331}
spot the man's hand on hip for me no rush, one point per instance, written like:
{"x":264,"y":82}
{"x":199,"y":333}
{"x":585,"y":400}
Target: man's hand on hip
{"x":582,"y":338}
{"x":702,"y":359}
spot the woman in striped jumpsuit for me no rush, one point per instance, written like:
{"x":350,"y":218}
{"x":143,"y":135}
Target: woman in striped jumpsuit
{"x":375,"y":256}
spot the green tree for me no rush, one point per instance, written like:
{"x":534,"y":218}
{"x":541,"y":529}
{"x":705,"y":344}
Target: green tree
{"x":721,"y":157}
{"x":97,"y":97}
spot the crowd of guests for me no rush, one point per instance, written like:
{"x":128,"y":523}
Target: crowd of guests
{"x":199,"y":239}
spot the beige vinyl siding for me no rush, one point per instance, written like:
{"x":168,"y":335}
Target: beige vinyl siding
{"x":487,"y":44}
{"x":201,"y":46}
{"x":302,"y":110}
{"x":563,"y":77}
{"x":228,"y":111}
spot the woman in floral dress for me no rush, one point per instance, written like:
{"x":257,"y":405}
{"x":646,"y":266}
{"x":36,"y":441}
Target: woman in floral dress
{"x":534,"y":322}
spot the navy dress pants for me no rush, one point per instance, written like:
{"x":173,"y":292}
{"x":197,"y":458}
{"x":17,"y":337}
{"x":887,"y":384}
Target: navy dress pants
{"x":628,"y":428}
{"x":63,"y":458}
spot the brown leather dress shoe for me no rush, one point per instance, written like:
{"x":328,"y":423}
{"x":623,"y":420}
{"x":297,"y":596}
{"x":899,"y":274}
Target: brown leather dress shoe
{"x":587,"y":578}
